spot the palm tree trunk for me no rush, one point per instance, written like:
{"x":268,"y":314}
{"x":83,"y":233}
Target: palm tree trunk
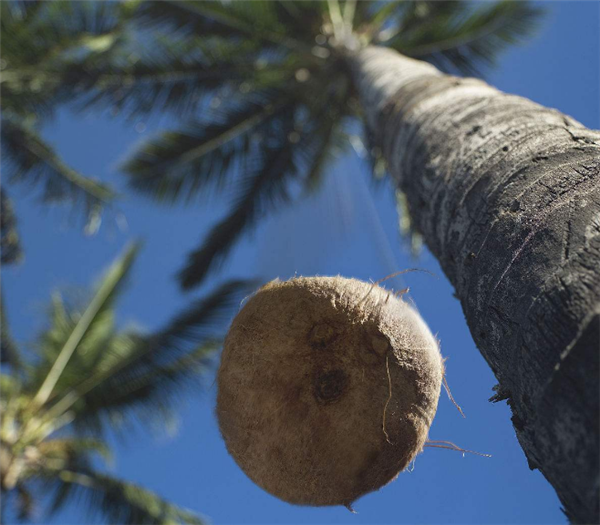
{"x":507,"y":196}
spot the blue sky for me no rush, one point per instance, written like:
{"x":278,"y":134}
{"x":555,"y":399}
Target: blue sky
{"x":349,"y":228}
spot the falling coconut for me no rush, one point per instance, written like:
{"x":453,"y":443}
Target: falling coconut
{"x":327,"y":388}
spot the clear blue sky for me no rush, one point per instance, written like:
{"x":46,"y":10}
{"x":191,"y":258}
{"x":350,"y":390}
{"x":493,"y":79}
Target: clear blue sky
{"x":348,"y":229}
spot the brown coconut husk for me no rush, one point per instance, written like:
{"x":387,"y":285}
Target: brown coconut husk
{"x":327,"y":388}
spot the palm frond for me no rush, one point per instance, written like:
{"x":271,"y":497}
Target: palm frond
{"x":31,"y":28}
{"x":302,"y":20}
{"x":114,"y":500}
{"x":99,"y":340}
{"x":152,"y":394}
{"x":179,"y":164}
{"x":258,"y":21}
{"x":105,"y":295}
{"x":10,"y":246}
{"x":29,"y":160}
{"x":9,"y":353}
{"x":269,"y":168}
{"x":464,"y":38}
{"x":146,"y":374}
{"x":390,"y":19}
{"x":170,"y":75}
{"x":68,"y":451}
{"x":37,"y":37}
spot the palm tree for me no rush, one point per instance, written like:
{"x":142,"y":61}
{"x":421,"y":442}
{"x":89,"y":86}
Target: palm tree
{"x":504,"y":192}
{"x":85,"y":377}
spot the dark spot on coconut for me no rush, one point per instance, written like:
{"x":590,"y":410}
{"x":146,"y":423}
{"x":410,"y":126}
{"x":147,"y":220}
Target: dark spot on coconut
{"x":329,"y":386}
{"x":321,"y":335}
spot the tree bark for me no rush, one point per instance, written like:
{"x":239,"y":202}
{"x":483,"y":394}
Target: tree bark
{"x":507,"y":196}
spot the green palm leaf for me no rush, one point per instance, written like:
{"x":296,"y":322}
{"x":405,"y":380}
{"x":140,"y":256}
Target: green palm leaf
{"x":115,"y":500}
{"x":179,"y":164}
{"x":37,"y":38}
{"x":268,"y":171}
{"x":9,"y":353}
{"x":173,"y":74}
{"x":29,"y":160}
{"x":99,"y":339}
{"x":302,"y":20}
{"x":67,"y":451}
{"x":258,"y":21}
{"x":144,"y":375}
{"x":10,"y":246}
{"x":102,"y":300}
{"x":462,"y":37}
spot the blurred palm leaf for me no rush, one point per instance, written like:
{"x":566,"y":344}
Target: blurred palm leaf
{"x":171,"y":75}
{"x":10,"y":246}
{"x":87,"y":376}
{"x":70,"y":335}
{"x":264,"y":171}
{"x":29,"y":160}
{"x":145,"y":375}
{"x":9,"y":353}
{"x":115,"y":500}
{"x":259,"y":22}
{"x":456,"y":37}
{"x":179,"y":164}
{"x":40,"y":39}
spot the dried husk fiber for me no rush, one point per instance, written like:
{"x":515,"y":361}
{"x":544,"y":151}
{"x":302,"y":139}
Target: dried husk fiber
{"x":309,"y":367}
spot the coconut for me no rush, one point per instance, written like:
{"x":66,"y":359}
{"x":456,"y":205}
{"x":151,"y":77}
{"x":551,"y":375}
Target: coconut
{"x":327,"y":388}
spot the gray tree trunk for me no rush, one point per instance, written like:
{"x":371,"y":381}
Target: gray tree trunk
{"x":507,"y":196}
